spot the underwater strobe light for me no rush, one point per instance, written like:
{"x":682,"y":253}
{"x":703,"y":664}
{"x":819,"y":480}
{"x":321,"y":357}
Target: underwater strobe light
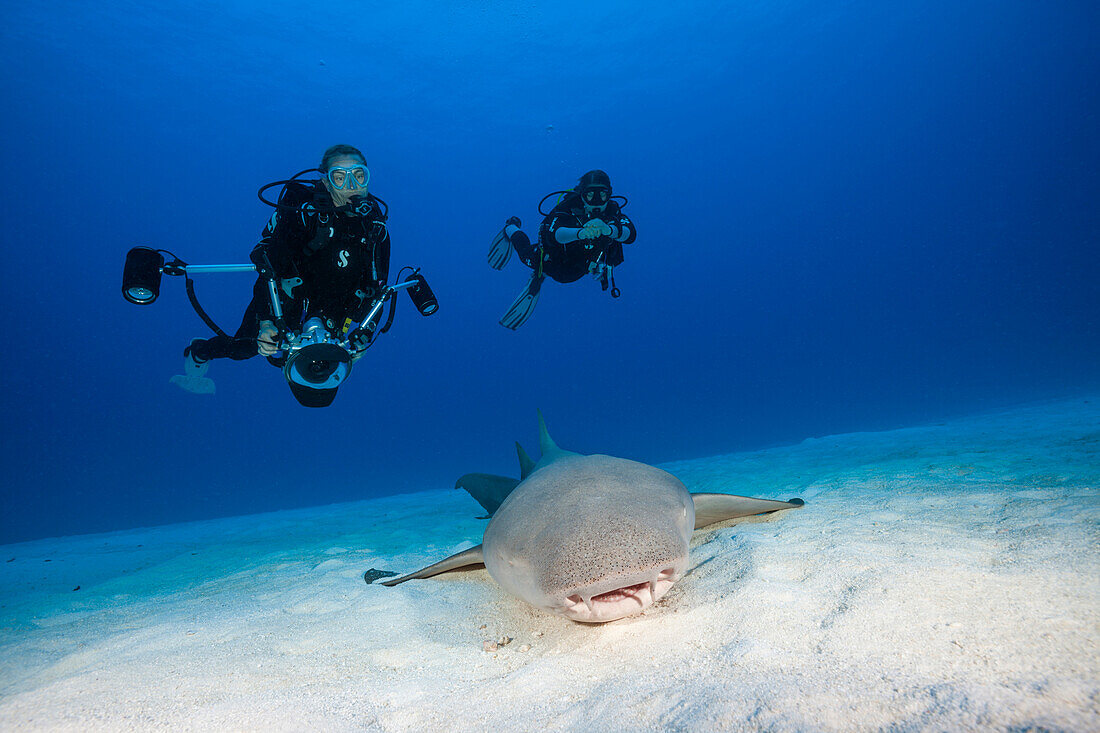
{"x":421,"y":294}
{"x":141,"y":275}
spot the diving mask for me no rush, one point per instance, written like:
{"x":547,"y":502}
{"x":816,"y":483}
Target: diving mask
{"x":348,"y":178}
{"x":596,"y":195}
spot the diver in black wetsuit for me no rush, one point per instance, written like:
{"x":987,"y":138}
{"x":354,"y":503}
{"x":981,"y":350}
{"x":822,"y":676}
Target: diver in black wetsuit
{"x":329,"y":248}
{"x":583,"y":234}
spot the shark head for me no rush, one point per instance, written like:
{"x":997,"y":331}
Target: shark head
{"x":591,"y":538}
{"x":623,"y":570}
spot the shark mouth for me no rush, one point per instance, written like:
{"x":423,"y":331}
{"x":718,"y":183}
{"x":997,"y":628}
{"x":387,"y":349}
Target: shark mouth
{"x":608,"y":605}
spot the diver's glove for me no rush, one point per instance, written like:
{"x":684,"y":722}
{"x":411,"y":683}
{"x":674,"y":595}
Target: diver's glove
{"x":267,"y":339}
{"x":593,"y":229}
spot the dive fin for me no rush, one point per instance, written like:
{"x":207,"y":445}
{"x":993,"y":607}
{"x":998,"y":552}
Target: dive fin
{"x":500,"y":250}
{"x":713,"y":508}
{"x":464,"y":559}
{"x":195,"y":385}
{"x":488,"y":490}
{"x":194,"y":377}
{"x":526,"y":465}
{"x":524,"y":305}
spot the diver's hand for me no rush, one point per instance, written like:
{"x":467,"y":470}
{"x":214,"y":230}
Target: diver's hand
{"x":594,"y":228}
{"x":590,"y":230}
{"x":265,"y":340}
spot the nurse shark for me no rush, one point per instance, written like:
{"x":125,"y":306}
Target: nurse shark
{"x":593,"y":538}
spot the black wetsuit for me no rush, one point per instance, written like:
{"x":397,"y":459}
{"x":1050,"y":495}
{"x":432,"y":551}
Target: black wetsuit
{"x":569,"y":262}
{"x":343,"y":262}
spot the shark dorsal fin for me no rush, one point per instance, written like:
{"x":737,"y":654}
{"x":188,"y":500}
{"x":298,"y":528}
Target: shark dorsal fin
{"x":526,"y":465}
{"x":547,"y":446}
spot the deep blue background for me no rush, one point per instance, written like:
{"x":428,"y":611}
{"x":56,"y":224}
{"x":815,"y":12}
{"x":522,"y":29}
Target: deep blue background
{"x":851,"y":216}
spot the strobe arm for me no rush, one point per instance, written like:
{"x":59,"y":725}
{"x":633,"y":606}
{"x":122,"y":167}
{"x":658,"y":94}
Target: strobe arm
{"x":419,"y":292}
{"x":265,"y":269}
{"x":380,"y":301}
{"x":141,"y":275}
{"x":202,"y":269}
{"x":144,"y":267}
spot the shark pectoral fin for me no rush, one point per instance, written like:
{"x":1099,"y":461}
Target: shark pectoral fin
{"x":490,"y":491}
{"x":464,"y":559}
{"x":712,"y":508}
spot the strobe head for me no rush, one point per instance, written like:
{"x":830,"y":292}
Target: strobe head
{"x":315,"y":372}
{"x":422,"y":296}
{"x":141,"y":275}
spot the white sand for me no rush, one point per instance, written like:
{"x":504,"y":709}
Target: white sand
{"x":939,"y":578}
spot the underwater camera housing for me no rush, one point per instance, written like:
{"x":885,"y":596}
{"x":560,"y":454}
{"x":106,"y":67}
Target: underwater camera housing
{"x":316,"y":362}
{"x":316,"y":365}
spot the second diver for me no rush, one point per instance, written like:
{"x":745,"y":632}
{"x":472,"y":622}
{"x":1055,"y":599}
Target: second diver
{"x":582,"y":235}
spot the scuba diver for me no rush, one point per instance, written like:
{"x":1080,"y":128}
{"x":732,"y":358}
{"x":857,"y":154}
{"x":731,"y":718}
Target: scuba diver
{"x":582,"y":235}
{"x":323,"y":263}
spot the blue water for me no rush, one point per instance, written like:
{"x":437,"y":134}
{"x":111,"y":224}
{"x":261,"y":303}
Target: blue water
{"x":851,"y":216}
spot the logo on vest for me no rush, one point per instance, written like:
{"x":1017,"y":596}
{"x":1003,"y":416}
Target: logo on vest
{"x":343,"y":261}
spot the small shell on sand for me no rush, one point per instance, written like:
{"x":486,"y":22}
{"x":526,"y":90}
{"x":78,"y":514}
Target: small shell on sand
{"x":489,"y":646}
{"x":504,"y":640}
{"x":525,"y":647}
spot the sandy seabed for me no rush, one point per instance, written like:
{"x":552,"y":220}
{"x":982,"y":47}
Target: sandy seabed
{"x":943,"y":577}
